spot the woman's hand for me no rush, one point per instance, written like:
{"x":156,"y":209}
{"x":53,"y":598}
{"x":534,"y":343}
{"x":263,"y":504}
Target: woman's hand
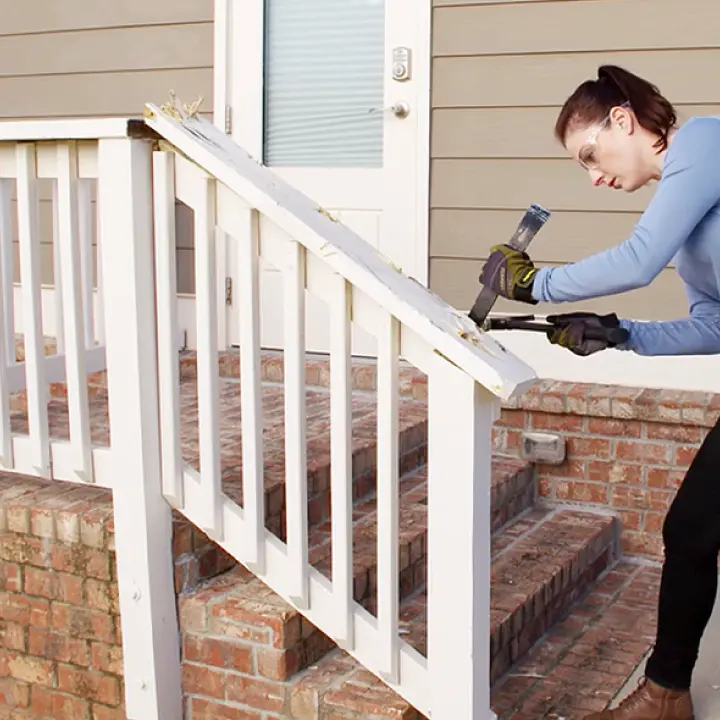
{"x":509,"y":273}
{"x":571,"y":331}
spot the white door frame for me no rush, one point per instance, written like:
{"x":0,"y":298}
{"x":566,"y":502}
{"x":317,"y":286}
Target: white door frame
{"x":408,"y":182}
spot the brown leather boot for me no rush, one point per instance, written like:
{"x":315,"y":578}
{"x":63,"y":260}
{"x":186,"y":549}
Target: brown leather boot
{"x":651,"y":702}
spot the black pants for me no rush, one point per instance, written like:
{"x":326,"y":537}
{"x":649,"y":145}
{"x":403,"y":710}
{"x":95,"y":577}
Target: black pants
{"x":691,"y":534}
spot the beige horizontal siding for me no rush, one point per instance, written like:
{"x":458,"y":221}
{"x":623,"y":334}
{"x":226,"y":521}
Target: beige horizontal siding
{"x":112,"y":50}
{"x":566,"y":237}
{"x":546,"y":80}
{"x":99,"y":94}
{"x":457,"y":282}
{"x":590,"y":26}
{"x":42,"y":16}
{"x":515,"y":183}
{"x":501,"y":71}
{"x":465,"y":133}
{"x":83,"y":58}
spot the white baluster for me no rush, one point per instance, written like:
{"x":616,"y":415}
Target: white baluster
{"x":461,"y":415}
{"x":207,"y":357}
{"x":84,"y":195}
{"x":295,"y":422}
{"x":30,"y":275}
{"x":167,"y":325}
{"x":69,"y":254}
{"x":388,"y":575}
{"x":7,"y":324}
{"x":58,"y":296}
{"x":6,"y":270}
{"x":341,"y":458}
{"x":251,"y":392}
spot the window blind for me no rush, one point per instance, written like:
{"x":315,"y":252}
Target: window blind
{"x":324,"y":72}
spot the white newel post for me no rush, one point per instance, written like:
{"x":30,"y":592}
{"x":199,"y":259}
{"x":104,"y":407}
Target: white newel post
{"x":461,"y":414}
{"x":143,"y":521}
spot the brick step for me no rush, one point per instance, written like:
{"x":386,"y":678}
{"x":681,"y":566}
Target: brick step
{"x":510,"y":481}
{"x":541,"y":563}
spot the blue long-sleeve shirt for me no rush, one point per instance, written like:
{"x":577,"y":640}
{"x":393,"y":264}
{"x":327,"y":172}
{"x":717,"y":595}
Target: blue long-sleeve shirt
{"x":682,"y":222}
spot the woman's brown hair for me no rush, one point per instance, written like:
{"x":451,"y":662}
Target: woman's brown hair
{"x":592,"y":101}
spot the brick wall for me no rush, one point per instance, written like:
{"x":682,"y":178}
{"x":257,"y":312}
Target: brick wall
{"x":627,"y":448}
{"x":60,"y":634}
{"x":60,"y":641}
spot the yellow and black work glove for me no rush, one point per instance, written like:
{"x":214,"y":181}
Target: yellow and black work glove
{"x":509,"y":273}
{"x":570,"y":331}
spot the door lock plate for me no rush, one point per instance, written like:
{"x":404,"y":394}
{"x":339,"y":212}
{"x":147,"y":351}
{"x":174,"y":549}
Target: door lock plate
{"x":401,"y":64}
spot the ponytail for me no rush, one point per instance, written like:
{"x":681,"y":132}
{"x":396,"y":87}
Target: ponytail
{"x":593,"y":99}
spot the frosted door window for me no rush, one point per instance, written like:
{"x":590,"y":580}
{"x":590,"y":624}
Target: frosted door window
{"x":324,"y":71}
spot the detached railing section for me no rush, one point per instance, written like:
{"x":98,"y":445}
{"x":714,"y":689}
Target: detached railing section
{"x":467,"y":372}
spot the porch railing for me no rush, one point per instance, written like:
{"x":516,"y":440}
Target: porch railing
{"x":139,"y":180}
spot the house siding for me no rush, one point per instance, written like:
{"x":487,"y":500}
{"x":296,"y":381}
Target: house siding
{"x":501,"y":71}
{"x":83,"y":58}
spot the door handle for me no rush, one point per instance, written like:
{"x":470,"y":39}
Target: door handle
{"x":401,"y":109}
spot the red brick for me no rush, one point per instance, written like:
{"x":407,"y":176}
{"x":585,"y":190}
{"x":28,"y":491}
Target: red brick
{"x":82,"y":623}
{"x":630,"y":519}
{"x":11,"y":577}
{"x":684,"y":455}
{"x":614,"y":428}
{"x":277,"y":664}
{"x":13,"y":694}
{"x":205,"y":710}
{"x":224,"y":653}
{"x":642,"y":452}
{"x":560,"y":423}
{"x":103,"y":712}
{"x":54,"y":586}
{"x":99,"y":596}
{"x":588,"y":447}
{"x":653,"y":522}
{"x":662,"y":478}
{"x":57,"y":705}
{"x":35,"y":671}
{"x":89,"y":684}
{"x":642,"y":543}
{"x":255,"y":693}
{"x":674,"y":433}
{"x":571,"y":468}
{"x":511,"y":418}
{"x":81,"y":560}
{"x":106,"y":658}
{"x":630,"y":497}
{"x":201,"y":680}
{"x":57,"y":646}
{"x":581,"y":491}
{"x":614,"y":472}
{"x":12,"y":636}
{"x":24,"y":610}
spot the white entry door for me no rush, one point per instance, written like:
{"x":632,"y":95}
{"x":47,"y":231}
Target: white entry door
{"x":333,"y":95}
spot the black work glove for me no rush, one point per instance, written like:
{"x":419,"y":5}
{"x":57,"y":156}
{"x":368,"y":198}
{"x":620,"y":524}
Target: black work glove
{"x":509,"y":273}
{"x":570,"y":331}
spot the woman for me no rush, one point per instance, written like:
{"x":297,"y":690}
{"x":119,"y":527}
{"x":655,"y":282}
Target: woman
{"x":624,"y":133}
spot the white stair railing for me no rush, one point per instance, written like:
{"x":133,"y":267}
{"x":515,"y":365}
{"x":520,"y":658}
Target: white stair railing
{"x":48,"y":166}
{"x":467,"y":372}
{"x":114,"y":322}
